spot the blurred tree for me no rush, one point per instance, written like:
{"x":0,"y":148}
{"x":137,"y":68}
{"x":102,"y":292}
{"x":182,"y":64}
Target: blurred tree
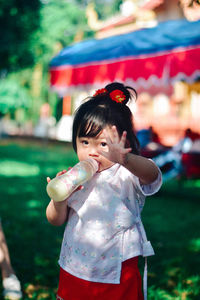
{"x":32,"y":32}
{"x":18,"y":20}
{"x":29,"y":30}
{"x":12,"y":96}
{"x":106,"y":8}
{"x":60,"y":20}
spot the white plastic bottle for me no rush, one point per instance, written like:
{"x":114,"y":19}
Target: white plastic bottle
{"x":61,"y":187}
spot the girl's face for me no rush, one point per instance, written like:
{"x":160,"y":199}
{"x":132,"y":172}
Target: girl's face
{"x":88,"y":147}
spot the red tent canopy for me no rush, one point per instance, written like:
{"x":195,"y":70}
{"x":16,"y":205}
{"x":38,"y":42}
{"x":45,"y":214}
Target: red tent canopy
{"x":151,"y":58}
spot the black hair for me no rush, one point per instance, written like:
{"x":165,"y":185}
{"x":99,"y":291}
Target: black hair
{"x":100,"y":111}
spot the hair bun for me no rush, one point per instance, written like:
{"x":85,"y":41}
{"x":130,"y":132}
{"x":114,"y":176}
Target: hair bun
{"x":120,"y":93}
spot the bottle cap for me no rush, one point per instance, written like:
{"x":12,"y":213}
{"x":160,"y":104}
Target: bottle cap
{"x":94,"y":163}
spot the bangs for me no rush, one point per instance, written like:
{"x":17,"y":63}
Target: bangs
{"x":91,"y":127}
{"x":90,"y":119}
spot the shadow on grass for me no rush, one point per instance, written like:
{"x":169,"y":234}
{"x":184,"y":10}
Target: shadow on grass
{"x":171,"y":219}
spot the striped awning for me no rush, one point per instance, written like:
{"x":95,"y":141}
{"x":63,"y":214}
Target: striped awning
{"x":146,"y":59}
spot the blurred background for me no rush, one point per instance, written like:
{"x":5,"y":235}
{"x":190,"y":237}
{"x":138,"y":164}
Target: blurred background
{"x":53,"y":55}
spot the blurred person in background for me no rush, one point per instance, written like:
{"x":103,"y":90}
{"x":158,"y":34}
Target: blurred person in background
{"x":10,"y":282}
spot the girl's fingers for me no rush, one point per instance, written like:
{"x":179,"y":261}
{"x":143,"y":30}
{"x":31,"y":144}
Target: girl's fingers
{"x":61,"y":172}
{"x":81,"y":187}
{"x":127,"y":150}
{"x":107,"y":136}
{"x":116,"y":138}
{"x":58,"y":174}
{"x":123,"y":139}
{"x":103,"y":153}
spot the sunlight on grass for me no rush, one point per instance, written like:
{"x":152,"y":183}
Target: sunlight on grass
{"x":194,"y":284}
{"x":33,"y":213}
{"x":39,"y":292}
{"x":195,"y":245}
{"x":33,"y":204}
{"x":33,"y":208}
{"x":192,"y":183}
{"x":188,"y":289}
{"x":10,"y":168}
{"x":183,"y":290}
{"x":158,"y":294}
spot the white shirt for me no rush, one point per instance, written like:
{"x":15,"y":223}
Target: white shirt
{"x":104,"y":227}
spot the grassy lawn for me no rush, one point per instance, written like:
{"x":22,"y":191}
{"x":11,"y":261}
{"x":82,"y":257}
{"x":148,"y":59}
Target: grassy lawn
{"x":171,"y":220}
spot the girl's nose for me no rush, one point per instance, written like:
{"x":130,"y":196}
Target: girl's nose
{"x":93,"y":152}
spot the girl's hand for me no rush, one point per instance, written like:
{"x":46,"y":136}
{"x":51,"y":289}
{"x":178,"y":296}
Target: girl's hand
{"x":58,"y":174}
{"x":116,"y":146}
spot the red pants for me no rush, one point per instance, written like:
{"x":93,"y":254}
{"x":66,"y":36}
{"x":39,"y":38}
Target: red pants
{"x":130,"y":287}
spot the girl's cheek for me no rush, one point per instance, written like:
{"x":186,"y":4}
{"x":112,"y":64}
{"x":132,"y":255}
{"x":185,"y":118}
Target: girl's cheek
{"x":105,"y":149}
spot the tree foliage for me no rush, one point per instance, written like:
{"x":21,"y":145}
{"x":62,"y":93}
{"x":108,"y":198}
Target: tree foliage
{"x":29,"y":30}
{"x":18,"y":21}
{"x":106,"y":8}
{"x":32,"y":32}
{"x":60,"y":22}
{"x":12,"y":96}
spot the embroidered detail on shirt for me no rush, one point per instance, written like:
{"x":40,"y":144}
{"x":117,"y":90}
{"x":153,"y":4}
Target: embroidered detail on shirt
{"x":103,"y":256}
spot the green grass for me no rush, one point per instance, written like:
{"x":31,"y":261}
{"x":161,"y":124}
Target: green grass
{"x":171,"y":219}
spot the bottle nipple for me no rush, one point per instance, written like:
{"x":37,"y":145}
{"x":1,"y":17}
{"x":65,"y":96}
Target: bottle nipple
{"x":94,"y":164}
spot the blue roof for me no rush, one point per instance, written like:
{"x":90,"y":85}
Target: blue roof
{"x":164,"y":37}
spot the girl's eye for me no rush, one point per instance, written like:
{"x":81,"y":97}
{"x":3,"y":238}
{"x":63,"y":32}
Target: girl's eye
{"x":103,"y":144}
{"x":84,"y":142}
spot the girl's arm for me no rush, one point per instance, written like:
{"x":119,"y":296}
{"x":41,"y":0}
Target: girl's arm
{"x":140,"y":166}
{"x":56,"y":212}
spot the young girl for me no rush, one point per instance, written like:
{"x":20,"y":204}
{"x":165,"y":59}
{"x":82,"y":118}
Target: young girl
{"x":104,"y":234}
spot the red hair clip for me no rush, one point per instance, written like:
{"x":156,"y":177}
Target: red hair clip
{"x":99,"y":92}
{"x":117,"y":96}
